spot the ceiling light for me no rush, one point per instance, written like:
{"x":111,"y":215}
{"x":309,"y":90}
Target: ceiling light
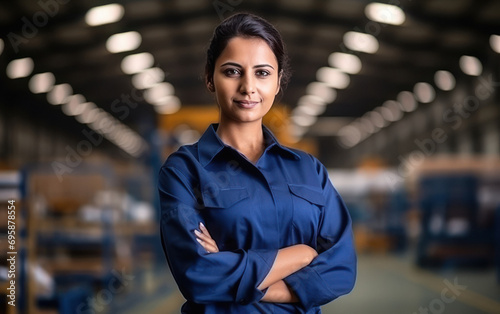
{"x":169,"y":105}
{"x":189,"y":136}
{"x":361,"y":42}
{"x":297,"y":132}
{"x":101,"y":121}
{"x":304,"y":120}
{"x":159,"y":92}
{"x":148,"y":78}
{"x":385,"y":13}
{"x":117,"y":133}
{"x":59,"y":94}
{"x":367,"y":126}
{"x":42,"y":82}
{"x":105,"y":123}
{"x":20,"y":68}
{"x":333,"y":77}
{"x":123,"y":42}
{"x":395,"y":110}
{"x":386,"y":113}
{"x":125,"y":136}
{"x":74,"y":104}
{"x":137,"y":62}
{"x":86,"y":115}
{"x":310,"y":105}
{"x":349,"y":136}
{"x":494,"y":43}
{"x":376,"y":119}
{"x":1,"y":45}
{"x":310,"y":110}
{"x":424,"y":92}
{"x":345,"y":62}
{"x":471,"y":65}
{"x":105,"y":14}
{"x":321,"y":90}
{"x":407,"y":101}
{"x":444,"y":80}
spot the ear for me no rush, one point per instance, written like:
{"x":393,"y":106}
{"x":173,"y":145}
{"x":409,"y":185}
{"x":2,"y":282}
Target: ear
{"x":210,"y":84}
{"x":279,"y":82}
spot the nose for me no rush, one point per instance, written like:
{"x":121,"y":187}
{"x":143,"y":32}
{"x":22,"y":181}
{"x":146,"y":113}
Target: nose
{"x":247,"y":86}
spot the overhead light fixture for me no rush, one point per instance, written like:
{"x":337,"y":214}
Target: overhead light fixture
{"x":59,"y":94}
{"x":333,"y":77}
{"x":349,"y":136}
{"x":444,"y":80}
{"x":20,"y":68}
{"x":424,"y":92}
{"x":376,"y":119}
{"x":304,"y":120}
{"x":407,"y":101}
{"x":42,"y":82}
{"x":494,"y":43}
{"x":321,"y":90}
{"x":105,"y":123}
{"x":123,"y":42}
{"x":471,"y":65}
{"x":394,"y":109}
{"x":297,"y":132}
{"x":105,"y":14}
{"x":169,"y":105}
{"x":86,"y":115}
{"x":310,"y":105}
{"x":345,"y":62}
{"x":385,"y":13}
{"x":361,"y":42}
{"x":365,"y":124}
{"x":158,"y":93}
{"x":385,"y":113}
{"x":148,"y":78}
{"x":137,"y":62}
{"x":74,"y":106}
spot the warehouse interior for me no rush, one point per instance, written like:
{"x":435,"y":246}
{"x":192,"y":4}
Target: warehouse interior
{"x":399,"y":99}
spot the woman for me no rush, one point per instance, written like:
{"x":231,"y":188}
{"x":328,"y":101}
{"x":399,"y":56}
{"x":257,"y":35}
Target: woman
{"x":280,"y":237}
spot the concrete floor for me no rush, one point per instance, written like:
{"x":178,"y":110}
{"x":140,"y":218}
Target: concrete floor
{"x":386,"y":284}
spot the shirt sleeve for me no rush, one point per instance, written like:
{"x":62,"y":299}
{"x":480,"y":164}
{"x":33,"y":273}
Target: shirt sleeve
{"x":333,"y":272}
{"x":228,"y":276}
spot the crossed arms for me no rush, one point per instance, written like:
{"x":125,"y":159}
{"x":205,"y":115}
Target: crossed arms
{"x":288,"y":260}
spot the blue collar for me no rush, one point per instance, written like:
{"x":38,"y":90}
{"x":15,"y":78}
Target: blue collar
{"x":210,"y":144}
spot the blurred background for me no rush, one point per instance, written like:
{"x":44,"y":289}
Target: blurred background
{"x":399,"y":99}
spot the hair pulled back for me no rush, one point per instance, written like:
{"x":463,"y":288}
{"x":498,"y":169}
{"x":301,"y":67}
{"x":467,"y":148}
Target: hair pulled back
{"x":247,"y":25}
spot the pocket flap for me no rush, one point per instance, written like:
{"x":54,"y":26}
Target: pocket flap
{"x":223,"y":198}
{"x":308,"y":193}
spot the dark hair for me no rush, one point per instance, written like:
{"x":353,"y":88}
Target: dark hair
{"x":247,"y":25}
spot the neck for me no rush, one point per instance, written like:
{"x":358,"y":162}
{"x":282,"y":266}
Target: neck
{"x":247,"y":138}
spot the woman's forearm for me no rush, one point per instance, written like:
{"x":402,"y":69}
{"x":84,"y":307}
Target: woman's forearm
{"x":279,"y":292}
{"x":288,"y":261}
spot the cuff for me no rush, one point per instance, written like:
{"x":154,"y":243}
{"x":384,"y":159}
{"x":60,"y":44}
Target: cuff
{"x":305,"y":285}
{"x":259,"y":263}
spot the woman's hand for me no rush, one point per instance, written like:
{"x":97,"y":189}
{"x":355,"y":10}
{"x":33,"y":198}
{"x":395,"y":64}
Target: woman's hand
{"x":205,"y":239}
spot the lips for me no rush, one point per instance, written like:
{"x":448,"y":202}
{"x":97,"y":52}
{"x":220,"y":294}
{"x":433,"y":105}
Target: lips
{"x":246,"y":104}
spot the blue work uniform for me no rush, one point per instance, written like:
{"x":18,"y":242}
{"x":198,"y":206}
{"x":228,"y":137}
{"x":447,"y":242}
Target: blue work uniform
{"x":252,"y":211}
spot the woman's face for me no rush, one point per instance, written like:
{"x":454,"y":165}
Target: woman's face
{"x":246,"y":79}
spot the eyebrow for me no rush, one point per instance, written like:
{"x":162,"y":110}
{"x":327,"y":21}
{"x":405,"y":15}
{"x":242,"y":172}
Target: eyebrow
{"x":255,"y":66}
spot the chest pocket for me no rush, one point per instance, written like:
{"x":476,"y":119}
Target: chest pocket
{"x":216,"y":197}
{"x":224,"y":209}
{"x":307,"y":206}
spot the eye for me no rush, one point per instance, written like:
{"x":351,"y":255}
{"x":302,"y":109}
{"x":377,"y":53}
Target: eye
{"x":263,"y":73}
{"x":231,"y":72}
